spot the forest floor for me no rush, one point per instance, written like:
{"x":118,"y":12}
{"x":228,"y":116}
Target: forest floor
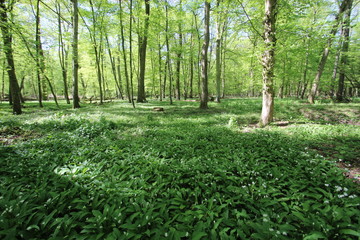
{"x":114,"y":172}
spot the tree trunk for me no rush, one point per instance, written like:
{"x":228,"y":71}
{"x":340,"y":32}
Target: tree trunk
{"x":204,"y":60}
{"x":335,"y":72}
{"x":304,"y":76}
{"x":63,"y":56}
{"x":40,"y":59}
{"x":223,"y":60}
{"x":268,"y":62}
{"x":160,"y":71}
{"x":168,"y":64}
{"x":141,"y":96}
{"x":7,"y":40}
{"x":178,"y":65}
{"x":191,"y":68}
{"x":76,"y":100}
{"x":38,"y":62}
{"x":124,"y":54}
{"x":113,"y":67}
{"x":131,"y":55}
{"x":325,"y":54}
{"x":345,"y":48}
{"x":218,"y":54}
{"x":40,"y":55}
{"x":3,"y":80}
{"x":119,"y":75}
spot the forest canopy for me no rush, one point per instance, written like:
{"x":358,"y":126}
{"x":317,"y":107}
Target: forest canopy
{"x":153,"y":49}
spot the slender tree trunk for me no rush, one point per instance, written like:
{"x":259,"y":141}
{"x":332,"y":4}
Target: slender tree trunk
{"x":251,"y":73}
{"x":131,"y":55}
{"x":97,"y":50}
{"x":42,"y":78}
{"x":141,"y":97}
{"x":325,"y":54}
{"x":76,"y":100}
{"x":268,"y":62}
{"x":7,"y":40}
{"x":223,"y":65}
{"x":3,"y":80}
{"x":335,"y":72}
{"x":160,"y":71}
{"x":340,"y":95}
{"x":204,"y":98}
{"x":38,"y":71}
{"x":168,"y":64}
{"x":113,"y":67}
{"x":304,"y":76}
{"x":40,"y":55}
{"x":218,"y":54}
{"x":191,"y":67}
{"x":178,"y":64}
{"x":102,"y":67}
{"x":198,"y":55}
{"x":124,"y":54}
{"x":62,"y":56}
{"x":119,"y":75}
{"x":283,"y":79}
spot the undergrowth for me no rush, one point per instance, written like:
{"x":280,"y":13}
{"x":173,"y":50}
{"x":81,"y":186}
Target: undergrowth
{"x":113,"y":172}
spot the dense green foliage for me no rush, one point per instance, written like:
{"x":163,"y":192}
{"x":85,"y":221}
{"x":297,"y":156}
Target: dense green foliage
{"x":113,"y":172}
{"x":303,"y":29}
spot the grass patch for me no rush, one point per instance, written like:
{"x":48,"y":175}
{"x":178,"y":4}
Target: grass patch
{"x":113,"y":172}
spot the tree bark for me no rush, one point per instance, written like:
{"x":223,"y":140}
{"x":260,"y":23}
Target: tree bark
{"x":160,"y":71}
{"x":131,"y":55}
{"x":113,"y":68}
{"x":141,"y":96}
{"x":204,"y":98}
{"x":124,"y":54}
{"x":325,"y":54}
{"x":218,"y":54}
{"x":76,"y":100}
{"x":191,"y":67}
{"x":268,"y":62}
{"x":168,"y":62}
{"x":40,"y":59}
{"x":63,"y":56}
{"x":344,"y":50}
{"x":7,"y":39}
{"x":178,"y":65}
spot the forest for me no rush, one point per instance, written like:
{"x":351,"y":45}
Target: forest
{"x":179,"y":119}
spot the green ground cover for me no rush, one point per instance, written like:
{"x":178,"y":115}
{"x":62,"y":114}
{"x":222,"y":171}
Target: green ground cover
{"x":113,"y":172}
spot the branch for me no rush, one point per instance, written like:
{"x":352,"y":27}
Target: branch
{"x":251,"y":23}
{"x":57,"y":13}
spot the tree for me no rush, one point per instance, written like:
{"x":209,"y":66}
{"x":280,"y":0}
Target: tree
{"x":40,"y":62}
{"x":344,"y":50}
{"x":218,"y":55}
{"x":76,"y":100}
{"x":63,"y":54}
{"x":268,"y":61}
{"x":204,"y":97}
{"x":124,"y":53}
{"x":141,"y":97}
{"x":7,"y":39}
{"x":326,"y":52}
{"x":168,"y":61}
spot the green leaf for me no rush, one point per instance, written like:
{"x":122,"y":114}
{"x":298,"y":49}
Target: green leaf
{"x":315,"y":236}
{"x":198,"y":235}
{"x":350,"y":232}
{"x":97,"y":213}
